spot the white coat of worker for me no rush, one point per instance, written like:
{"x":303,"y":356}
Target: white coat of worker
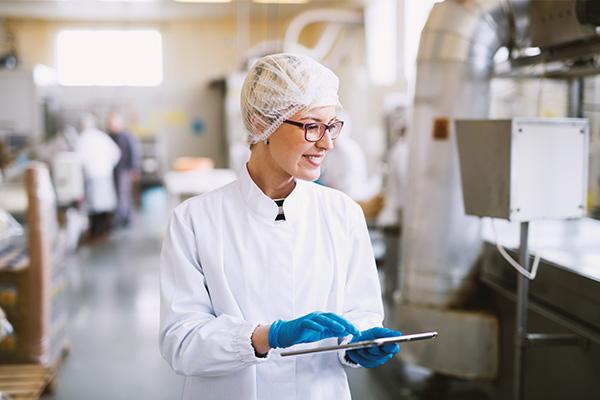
{"x":99,"y":155}
{"x":272,"y":261}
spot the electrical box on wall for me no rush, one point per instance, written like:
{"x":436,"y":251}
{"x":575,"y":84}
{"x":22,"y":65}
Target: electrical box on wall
{"x":525,"y":168}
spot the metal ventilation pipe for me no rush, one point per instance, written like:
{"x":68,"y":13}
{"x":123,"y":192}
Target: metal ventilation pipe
{"x":454,"y":64}
{"x":335,"y":20}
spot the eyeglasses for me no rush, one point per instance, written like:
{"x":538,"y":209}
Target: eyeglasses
{"x":314,"y":131}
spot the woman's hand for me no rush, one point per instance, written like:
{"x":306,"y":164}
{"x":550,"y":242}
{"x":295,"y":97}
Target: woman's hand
{"x":372,"y":357}
{"x":309,"y":328}
{"x":260,"y":340}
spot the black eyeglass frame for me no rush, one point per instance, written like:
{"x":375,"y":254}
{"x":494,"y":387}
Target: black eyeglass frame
{"x":322,"y":128}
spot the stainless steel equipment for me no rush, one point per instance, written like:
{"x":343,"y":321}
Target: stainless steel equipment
{"x":523,"y":170}
{"x":455,"y":64}
{"x":563,"y":303}
{"x":455,"y":56}
{"x":440,"y":244}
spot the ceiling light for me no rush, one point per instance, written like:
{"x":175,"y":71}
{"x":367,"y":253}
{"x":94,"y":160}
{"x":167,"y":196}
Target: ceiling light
{"x":203,"y":1}
{"x":127,"y":1}
{"x":281,"y":1}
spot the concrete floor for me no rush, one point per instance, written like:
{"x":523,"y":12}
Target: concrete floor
{"x":114,"y":346}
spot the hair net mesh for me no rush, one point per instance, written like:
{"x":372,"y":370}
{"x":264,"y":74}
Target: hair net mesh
{"x":281,"y":85}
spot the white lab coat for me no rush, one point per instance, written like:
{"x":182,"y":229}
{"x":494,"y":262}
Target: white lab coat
{"x":99,"y":155}
{"x":227,"y":266}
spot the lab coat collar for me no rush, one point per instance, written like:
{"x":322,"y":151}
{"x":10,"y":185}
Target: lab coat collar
{"x":265,"y":207}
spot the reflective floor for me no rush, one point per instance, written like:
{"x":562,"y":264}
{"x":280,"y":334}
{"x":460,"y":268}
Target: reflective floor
{"x":114,"y":347}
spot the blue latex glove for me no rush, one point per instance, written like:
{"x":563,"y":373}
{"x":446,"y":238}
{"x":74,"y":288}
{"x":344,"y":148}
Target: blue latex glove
{"x":372,"y":357}
{"x":309,"y":328}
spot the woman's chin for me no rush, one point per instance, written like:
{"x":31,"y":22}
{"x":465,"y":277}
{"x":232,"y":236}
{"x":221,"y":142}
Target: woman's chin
{"x":309,"y":174}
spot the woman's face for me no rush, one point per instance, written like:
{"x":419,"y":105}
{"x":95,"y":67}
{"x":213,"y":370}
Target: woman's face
{"x":295,"y":156}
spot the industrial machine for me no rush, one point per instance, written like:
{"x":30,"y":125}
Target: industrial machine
{"x":524,"y":170}
{"x":452,"y":278}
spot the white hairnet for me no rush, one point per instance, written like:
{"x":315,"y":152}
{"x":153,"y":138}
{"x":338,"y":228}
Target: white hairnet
{"x":281,"y":85}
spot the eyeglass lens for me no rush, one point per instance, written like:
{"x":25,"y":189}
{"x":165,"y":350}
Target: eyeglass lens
{"x":315,"y":132}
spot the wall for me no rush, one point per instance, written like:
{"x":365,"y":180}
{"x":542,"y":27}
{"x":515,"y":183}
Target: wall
{"x":195,"y":53}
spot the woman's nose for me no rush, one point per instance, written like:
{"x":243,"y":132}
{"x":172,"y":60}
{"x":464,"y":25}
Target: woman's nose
{"x":325,"y":142}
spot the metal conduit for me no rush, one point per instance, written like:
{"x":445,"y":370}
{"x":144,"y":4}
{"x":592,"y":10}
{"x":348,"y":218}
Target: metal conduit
{"x":454,"y":65}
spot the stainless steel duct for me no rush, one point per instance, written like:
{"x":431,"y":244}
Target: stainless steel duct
{"x":454,"y":64}
{"x":440,"y":244}
{"x":454,"y":67}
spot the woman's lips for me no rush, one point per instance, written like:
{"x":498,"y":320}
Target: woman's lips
{"x":314,"y":160}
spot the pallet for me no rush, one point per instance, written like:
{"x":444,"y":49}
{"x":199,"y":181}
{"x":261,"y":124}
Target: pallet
{"x":25,"y":381}
{"x":29,"y":381}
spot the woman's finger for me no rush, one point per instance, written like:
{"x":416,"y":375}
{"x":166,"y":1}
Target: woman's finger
{"x":312,"y":325}
{"x":330,"y":324}
{"x":343,"y":321}
{"x":383,"y":360}
{"x":368,"y":356}
{"x":376,"y":351}
{"x":383,"y":332}
{"x":390,"y":348}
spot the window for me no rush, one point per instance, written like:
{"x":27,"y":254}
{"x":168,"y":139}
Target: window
{"x":109,"y":58}
{"x":416,"y":15}
{"x":381,"y":38}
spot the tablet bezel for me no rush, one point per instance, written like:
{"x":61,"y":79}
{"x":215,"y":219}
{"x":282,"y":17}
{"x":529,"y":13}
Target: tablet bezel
{"x":362,"y":344}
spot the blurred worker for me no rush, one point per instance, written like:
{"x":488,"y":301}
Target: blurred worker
{"x":127,"y":171}
{"x":345,"y":167}
{"x":272,"y":260}
{"x":99,"y":156}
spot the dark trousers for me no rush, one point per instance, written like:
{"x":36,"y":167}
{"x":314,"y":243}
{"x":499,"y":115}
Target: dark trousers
{"x":124,"y":186}
{"x":100,"y":224}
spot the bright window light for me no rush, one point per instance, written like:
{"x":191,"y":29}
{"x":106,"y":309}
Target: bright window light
{"x":109,"y":58}
{"x":381,"y":35}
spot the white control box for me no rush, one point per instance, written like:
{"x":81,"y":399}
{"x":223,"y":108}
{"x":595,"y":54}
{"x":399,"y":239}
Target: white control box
{"x":525,"y":168}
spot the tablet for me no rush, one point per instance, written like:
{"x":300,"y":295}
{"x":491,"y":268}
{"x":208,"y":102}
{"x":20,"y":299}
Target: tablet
{"x":362,"y":344}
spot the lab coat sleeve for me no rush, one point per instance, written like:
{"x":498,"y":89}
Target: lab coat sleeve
{"x":192,"y":339}
{"x":362,"y":298}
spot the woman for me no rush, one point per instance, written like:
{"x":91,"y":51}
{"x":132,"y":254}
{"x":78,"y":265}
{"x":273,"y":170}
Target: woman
{"x":272,"y":260}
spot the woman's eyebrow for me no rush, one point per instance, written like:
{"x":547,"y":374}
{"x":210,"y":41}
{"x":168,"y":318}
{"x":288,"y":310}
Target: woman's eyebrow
{"x":317,"y":119}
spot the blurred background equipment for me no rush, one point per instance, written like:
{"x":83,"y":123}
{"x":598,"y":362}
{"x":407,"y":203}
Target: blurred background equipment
{"x":8,"y":55}
{"x":442,"y":247}
{"x":6,"y":328}
{"x":524,"y":170}
{"x":33,"y":292}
